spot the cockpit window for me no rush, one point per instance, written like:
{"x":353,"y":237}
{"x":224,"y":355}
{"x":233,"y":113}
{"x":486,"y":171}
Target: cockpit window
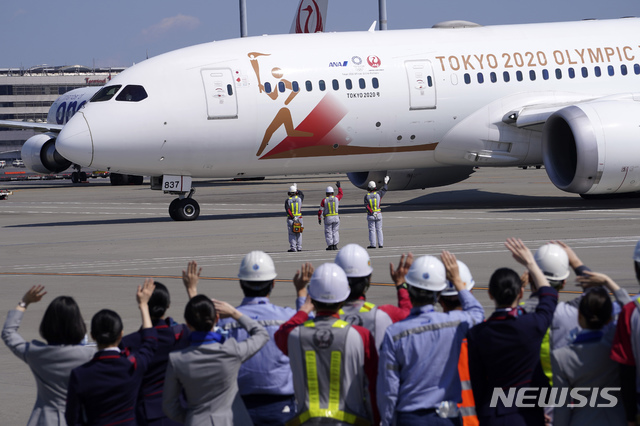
{"x":132,"y":93}
{"x":106,"y":93}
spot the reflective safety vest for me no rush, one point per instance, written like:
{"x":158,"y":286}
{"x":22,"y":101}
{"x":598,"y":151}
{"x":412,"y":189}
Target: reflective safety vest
{"x":323,"y":345}
{"x":360,"y":313}
{"x":294,"y":204}
{"x":373,"y":199}
{"x":468,"y":404}
{"x":330,"y":206}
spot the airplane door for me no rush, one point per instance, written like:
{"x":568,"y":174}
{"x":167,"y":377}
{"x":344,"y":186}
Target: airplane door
{"x":422,"y":90}
{"x":220,"y":91}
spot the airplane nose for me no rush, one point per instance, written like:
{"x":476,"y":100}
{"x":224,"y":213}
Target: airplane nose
{"x":75,"y":142}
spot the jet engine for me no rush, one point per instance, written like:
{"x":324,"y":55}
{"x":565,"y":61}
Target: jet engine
{"x":405,"y":179}
{"x":592,"y":148}
{"x":39,"y":154}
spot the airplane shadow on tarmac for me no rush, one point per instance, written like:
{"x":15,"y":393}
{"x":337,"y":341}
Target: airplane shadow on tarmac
{"x":470,"y":199}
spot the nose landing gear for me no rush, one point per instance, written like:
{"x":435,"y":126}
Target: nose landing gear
{"x":184,"y":208}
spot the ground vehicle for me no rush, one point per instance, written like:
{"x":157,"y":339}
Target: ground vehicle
{"x":18,"y":163}
{"x":4,"y":194}
{"x":2,"y":164}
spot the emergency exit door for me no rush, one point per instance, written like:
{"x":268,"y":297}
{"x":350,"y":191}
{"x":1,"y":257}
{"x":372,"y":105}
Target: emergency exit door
{"x":422,"y":90}
{"x":219,"y":88}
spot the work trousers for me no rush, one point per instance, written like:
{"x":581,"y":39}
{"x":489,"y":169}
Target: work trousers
{"x":271,"y":410}
{"x":332,"y":230}
{"x":375,"y":229}
{"x":295,"y":239}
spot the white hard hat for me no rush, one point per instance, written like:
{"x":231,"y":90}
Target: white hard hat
{"x":553,"y":261}
{"x":354,"y":260}
{"x":329,"y":189}
{"x":257,"y":266}
{"x":293,"y":188}
{"x":372,"y":185}
{"x":465,"y":275}
{"x":329,"y":284}
{"x":427,"y":273}
{"x":636,"y":253}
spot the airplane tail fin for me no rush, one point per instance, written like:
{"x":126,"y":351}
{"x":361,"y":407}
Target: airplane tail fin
{"x":310,"y":17}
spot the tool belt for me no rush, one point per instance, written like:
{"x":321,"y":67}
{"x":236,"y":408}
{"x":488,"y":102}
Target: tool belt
{"x":297,"y":227}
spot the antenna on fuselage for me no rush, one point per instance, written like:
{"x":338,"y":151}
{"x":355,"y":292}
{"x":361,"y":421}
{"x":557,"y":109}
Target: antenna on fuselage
{"x":382,"y":14}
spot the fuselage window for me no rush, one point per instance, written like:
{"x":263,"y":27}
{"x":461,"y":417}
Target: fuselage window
{"x":135,"y":93}
{"x":610,"y":70}
{"x":519,"y":75}
{"x":636,"y":69}
{"x":348,"y":84}
{"x":229,"y":90}
{"x":295,"y":86}
{"x":493,"y":77}
{"x":309,"y":86}
{"x":597,"y":71}
{"x":281,"y":87}
{"x":267,"y":87}
{"x":105,"y":94}
{"x":545,"y":74}
{"x":322,"y":86}
{"x":467,"y":78}
{"x":558,"y":73}
{"x":374,"y":82}
{"x":572,"y":73}
{"x":362,"y":83}
{"x":623,"y":69}
{"x":429,"y":81}
{"x":480,"y":78}
{"x":506,"y":77}
{"x":532,"y":75}
{"x":335,"y":84}
{"x":585,"y":72}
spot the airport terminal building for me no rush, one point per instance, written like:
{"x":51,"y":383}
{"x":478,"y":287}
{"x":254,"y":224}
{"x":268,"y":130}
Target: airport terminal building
{"x":27,"y":95}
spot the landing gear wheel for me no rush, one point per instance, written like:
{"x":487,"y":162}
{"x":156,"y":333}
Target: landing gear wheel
{"x":82,"y":176}
{"x":184,"y":209}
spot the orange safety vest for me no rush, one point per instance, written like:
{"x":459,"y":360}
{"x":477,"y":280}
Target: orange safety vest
{"x":468,"y":404}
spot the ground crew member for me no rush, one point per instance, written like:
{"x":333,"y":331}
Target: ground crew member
{"x":626,"y":348}
{"x":450,"y":301}
{"x":264,"y":381}
{"x":418,"y":378}
{"x":504,"y":351}
{"x":355,"y":261}
{"x":293,"y":207}
{"x":329,"y":209}
{"x":334,"y":363}
{"x":374,"y":214}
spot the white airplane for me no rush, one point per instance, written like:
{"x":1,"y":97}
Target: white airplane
{"x":423,"y":106}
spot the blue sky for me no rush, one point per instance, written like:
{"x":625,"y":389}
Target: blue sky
{"x":119,"y":33}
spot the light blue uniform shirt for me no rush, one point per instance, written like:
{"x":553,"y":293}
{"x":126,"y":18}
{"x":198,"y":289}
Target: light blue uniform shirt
{"x":418,"y":367}
{"x":268,"y":371}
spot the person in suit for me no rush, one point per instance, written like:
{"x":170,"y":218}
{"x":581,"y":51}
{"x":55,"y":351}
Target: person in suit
{"x":104,"y":391}
{"x":504,"y":351}
{"x":206,"y":372}
{"x":585,"y":362}
{"x":63,"y":329}
{"x":171,"y":336}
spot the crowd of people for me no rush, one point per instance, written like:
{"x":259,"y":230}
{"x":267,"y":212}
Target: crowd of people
{"x":434,"y":358}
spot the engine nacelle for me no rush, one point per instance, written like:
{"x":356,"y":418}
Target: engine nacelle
{"x":39,"y":154}
{"x":593,"y":148}
{"x":405,"y":179}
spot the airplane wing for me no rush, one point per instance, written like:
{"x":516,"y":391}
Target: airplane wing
{"x":39,"y":127}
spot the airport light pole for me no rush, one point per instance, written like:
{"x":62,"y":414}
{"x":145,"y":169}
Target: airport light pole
{"x":243,"y":18}
{"x":382,"y":14}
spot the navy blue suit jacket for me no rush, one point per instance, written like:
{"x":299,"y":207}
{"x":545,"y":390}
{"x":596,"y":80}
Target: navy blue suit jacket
{"x":504,"y":352}
{"x":104,"y":390}
{"x":171,"y":337}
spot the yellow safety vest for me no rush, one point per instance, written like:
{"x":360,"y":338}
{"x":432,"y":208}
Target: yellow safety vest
{"x":373,"y":202}
{"x":333,"y":410}
{"x":294,"y":202}
{"x":330,"y":206}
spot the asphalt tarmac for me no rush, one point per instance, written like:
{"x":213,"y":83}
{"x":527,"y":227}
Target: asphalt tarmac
{"x":97,"y":242}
